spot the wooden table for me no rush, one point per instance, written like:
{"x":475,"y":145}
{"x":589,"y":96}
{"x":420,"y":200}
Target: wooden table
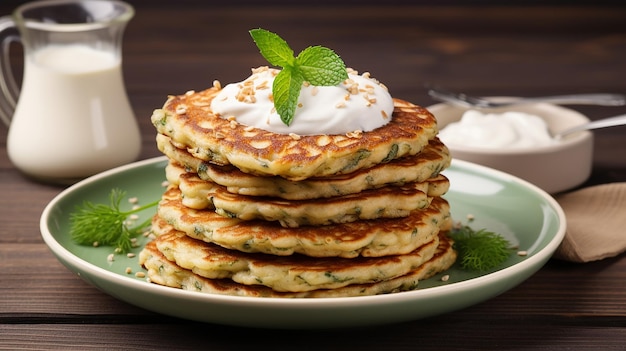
{"x":492,"y":50}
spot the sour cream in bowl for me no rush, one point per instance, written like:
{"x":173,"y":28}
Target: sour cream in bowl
{"x":517,"y":140}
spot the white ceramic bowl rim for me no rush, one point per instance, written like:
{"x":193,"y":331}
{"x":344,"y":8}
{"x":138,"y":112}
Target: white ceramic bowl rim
{"x":567,"y":142}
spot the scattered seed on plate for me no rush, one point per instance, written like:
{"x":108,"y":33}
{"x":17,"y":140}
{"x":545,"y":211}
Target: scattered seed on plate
{"x":111,"y":258}
{"x":522,"y":253}
{"x":445,"y":278}
{"x":133,"y":200}
{"x":128,"y":270}
{"x":130,"y":255}
{"x":140,"y":275}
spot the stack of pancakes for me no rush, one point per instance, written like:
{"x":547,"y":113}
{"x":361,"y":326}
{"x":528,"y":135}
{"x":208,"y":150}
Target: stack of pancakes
{"x":249,"y":212}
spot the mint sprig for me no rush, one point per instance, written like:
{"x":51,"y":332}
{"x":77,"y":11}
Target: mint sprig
{"x":317,"y":65}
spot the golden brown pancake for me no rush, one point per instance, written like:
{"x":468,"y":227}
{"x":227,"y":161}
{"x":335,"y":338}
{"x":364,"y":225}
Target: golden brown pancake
{"x":413,"y":168}
{"x":164,"y":272}
{"x":392,"y":201}
{"x":293,"y":273}
{"x":189,"y":122}
{"x":366,"y":238}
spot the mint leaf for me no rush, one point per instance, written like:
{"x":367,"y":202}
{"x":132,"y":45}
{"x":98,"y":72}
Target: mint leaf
{"x":286,"y":90}
{"x":275,"y":50}
{"x":316,"y":64}
{"x":321,"y":66}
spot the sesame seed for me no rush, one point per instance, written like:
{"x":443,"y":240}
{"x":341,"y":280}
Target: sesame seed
{"x":128,"y":270}
{"x":130,"y":255}
{"x":110,"y":257}
{"x":134,"y":217}
{"x":355,"y":134}
{"x":165,"y":183}
{"x":341,"y":105}
{"x":217,"y":84}
{"x":133,"y":200}
{"x":181,"y":109}
{"x":384,"y":114}
{"x":294,"y":136}
{"x":522,"y":253}
{"x":140,"y":275}
{"x":248,"y":128}
{"x":445,"y":278}
{"x":470,"y":217}
{"x":233,"y":124}
{"x":190,"y":92}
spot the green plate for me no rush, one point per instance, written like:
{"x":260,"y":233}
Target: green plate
{"x":499,"y":202}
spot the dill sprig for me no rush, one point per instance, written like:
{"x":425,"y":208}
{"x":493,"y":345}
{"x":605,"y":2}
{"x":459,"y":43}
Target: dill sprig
{"x":106,"y":224}
{"x":480,"y":250}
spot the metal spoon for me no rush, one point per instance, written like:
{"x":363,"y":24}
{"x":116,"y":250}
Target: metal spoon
{"x":601,"y":123}
{"x":467,"y":101}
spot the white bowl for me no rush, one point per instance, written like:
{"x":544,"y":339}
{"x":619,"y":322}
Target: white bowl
{"x":553,"y":168}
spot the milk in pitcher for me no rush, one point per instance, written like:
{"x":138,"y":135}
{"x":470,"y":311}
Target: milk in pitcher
{"x":77,"y":106}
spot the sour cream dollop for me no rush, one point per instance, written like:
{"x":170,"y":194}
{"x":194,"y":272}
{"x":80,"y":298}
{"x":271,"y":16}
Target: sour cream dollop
{"x":510,"y":130}
{"x":360,"y":103}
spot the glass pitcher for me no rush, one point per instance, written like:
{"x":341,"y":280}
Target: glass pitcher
{"x":71,"y":118}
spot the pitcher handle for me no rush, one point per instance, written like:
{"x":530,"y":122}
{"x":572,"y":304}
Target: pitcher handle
{"x":8,"y":87}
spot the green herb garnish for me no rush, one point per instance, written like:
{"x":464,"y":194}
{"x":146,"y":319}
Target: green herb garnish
{"x":480,"y":250}
{"x":106,"y":224}
{"x":316,"y":64}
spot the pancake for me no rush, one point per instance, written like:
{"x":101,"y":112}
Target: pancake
{"x":366,"y":238}
{"x":392,"y":201}
{"x":295,"y":273}
{"x":413,"y":168}
{"x":189,"y":122}
{"x":164,"y":272}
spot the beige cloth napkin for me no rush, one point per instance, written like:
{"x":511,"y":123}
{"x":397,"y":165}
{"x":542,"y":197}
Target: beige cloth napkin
{"x":596,"y":223}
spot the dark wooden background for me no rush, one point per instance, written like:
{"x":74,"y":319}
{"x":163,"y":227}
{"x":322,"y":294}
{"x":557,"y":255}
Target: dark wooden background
{"x":524,"y":48}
